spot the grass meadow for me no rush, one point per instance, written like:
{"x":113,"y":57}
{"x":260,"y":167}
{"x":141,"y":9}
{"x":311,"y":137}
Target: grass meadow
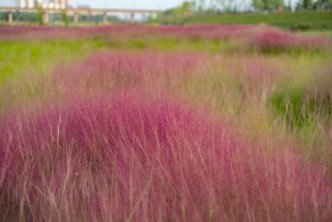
{"x":295,"y":21}
{"x":167,"y":123}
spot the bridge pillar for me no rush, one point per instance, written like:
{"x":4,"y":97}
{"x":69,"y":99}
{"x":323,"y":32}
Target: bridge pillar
{"x":105,"y":20}
{"x":46,"y":17}
{"x":10,"y":17}
{"x":132,"y":18}
{"x":76,"y":17}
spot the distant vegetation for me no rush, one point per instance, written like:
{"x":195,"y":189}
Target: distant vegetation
{"x":293,"y":21}
{"x":307,"y":16}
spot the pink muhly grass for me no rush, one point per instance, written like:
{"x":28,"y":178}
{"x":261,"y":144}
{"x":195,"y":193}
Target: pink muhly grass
{"x":127,"y":158}
{"x":257,"y":75}
{"x":125,"y":31}
{"x":277,"y":40}
{"x":255,"y":67}
{"x":147,"y":71}
{"x":260,"y":37}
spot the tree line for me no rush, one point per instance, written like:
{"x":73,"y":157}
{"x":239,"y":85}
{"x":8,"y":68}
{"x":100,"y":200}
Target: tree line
{"x":254,"y":5}
{"x":268,"y":5}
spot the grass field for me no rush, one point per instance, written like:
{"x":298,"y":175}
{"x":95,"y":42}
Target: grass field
{"x":327,"y":34}
{"x":17,"y":58}
{"x":293,"y":21}
{"x":139,"y":123}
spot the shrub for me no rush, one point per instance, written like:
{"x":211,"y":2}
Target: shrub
{"x":299,"y":27}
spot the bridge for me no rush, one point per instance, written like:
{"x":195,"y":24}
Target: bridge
{"x":76,"y":11}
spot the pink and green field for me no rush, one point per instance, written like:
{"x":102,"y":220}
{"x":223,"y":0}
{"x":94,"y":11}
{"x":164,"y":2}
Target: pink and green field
{"x":187,"y":123}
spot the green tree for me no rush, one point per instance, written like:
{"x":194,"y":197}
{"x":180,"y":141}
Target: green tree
{"x":228,"y":5}
{"x":40,"y":13}
{"x":307,"y":4}
{"x":180,"y":12}
{"x":65,"y":17}
{"x":267,"y":5}
{"x":290,"y":4}
{"x":188,"y":6}
{"x":200,"y":5}
{"x":260,"y":4}
{"x":323,"y":4}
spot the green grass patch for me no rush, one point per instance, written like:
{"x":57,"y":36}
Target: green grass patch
{"x":18,"y":58}
{"x":307,"y":115}
{"x":326,"y":33}
{"x":292,"y":104}
{"x":171,"y":44}
{"x":293,"y":21}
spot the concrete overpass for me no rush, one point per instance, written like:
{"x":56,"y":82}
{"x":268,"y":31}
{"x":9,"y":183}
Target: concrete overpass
{"x":76,"y":11}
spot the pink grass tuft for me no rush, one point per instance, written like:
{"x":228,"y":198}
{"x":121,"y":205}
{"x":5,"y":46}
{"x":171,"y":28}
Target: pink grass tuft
{"x":277,"y":40}
{"x":126,"y":158}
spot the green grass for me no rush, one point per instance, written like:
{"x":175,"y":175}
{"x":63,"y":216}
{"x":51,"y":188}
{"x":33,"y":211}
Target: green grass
{"x":170,"y":44}
{"x":297,"y":109}
{"x":20,"y":58}
{"x":294,"y":21}
{"x":326,"y":33}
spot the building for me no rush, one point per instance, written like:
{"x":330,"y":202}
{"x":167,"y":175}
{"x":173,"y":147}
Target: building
{"x":25,"y":3}
{"x":44,"y":3}
{"x":56,"y":4}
